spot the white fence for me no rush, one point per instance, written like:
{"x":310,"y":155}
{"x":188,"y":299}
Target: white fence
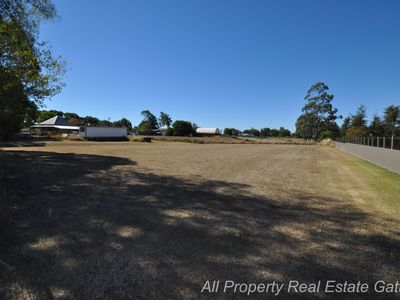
{"x":386,"y":158}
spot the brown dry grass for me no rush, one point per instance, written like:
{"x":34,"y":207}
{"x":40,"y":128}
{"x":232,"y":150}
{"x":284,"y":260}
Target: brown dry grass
{"x":230,"y":140}
{"x":137,"y":220}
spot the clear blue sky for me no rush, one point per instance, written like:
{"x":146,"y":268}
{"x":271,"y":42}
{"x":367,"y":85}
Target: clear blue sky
{"x":225,"y":63}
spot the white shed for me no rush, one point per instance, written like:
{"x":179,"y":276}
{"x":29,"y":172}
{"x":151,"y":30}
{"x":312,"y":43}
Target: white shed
{"x":207,"y":131}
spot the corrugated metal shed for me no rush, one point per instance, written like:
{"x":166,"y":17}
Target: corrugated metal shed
{"x":207,"y":131}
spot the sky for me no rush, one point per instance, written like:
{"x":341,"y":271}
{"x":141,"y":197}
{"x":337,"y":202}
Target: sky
{"x":224,"y":63}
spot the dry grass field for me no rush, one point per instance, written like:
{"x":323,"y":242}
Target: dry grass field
{"x":137,"y":220}
{"x":226,"y":140}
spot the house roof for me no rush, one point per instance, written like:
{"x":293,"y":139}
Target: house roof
{"x":57,"y":122}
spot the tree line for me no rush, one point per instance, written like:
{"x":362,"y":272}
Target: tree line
{"x":356,"y":125}
{"x":77,"y":120}
{"x":263,"y":132}
{"x":319,"y":118}
{"x":152,"y":125}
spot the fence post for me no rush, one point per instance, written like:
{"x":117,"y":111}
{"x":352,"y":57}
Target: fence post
{"x":392,"y":142}
{"x":377,"y":141}
{"x":384,"y":142}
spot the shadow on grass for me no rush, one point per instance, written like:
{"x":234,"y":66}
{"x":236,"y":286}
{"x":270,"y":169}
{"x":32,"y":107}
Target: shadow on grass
{"x":117,"y":232}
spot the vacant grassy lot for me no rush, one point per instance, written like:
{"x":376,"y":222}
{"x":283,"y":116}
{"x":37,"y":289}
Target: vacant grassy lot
{"x":227,"y":140}
{"x":158,"y":220}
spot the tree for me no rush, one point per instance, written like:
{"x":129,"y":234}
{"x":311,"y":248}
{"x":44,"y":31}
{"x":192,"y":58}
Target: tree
{"x":235,"y":132}
{"x":182,"y":128}
{"x":27,"y":14}
{"x":359,"y":119}
{"x":148,"y":124}
{"x":377,"y":127}
{"x":318,"y":113}
{"x":283,"y":132}
{"x":148,"y":116}
{"x":24,"y":58}
{"x":164,"y":119}
{"x":265,"y":132}
{"x":231,"y":131}
{"x":274,"y":132}
{"x":123,"y":123}
{"x":308,"y":126}
{"x":345,"y":126}
{"x":358,"y":123}
{"x":27,"y":68}
{"x":105,"y":123}
{"x":91,"y":121}
{"x":252,"y":131}
{"x":228,"y":131}
{"x":392,"y":119}
{"x":69,"y":115}
{"x":15,"y":108}
{"x":195,"y":126}
{"x":126,"y":123}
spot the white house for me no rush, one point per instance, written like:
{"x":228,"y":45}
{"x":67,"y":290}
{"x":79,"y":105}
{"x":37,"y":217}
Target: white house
{"x":55,"y":125}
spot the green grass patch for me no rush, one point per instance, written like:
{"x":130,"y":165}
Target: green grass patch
{"x":384,"y":184}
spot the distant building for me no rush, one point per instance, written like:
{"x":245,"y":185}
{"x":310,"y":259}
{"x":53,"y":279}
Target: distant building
{"x":161,"y":130}
{"x":207,"y":131}
{"x":55,"y":125}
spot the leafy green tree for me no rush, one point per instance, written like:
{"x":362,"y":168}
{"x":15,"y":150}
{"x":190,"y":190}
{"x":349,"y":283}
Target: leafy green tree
{"x":27,"y":14}
{"x":345,"y":126}
{"x":105,"y":123}
{"x":27,"y":66}
{"x":195,"y":126}
{"x":91,"y":121}
{"x":228,"y":131}
{"x":182,"y":128}
{"x":308,"y":126}
{"x":283,"y":132}
{"x":164,"y":119}
{"x":252,"y":131}
{"x":235,"y":132}
{"x":16,"y":110}
{"x":392,"y":120}
{"x":148,"y":124}
{"x":265,"y":132}
{"x":359,"y":119}
{"x":358,"y":123}
{"x":274,"y":132}
{"x":318,"y":113}
{"x":123,"y":123}
{"x":148,"y":116}
{"x":377,"y":127}
{"x":231,"y":131}
{"x":69,"y":115}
